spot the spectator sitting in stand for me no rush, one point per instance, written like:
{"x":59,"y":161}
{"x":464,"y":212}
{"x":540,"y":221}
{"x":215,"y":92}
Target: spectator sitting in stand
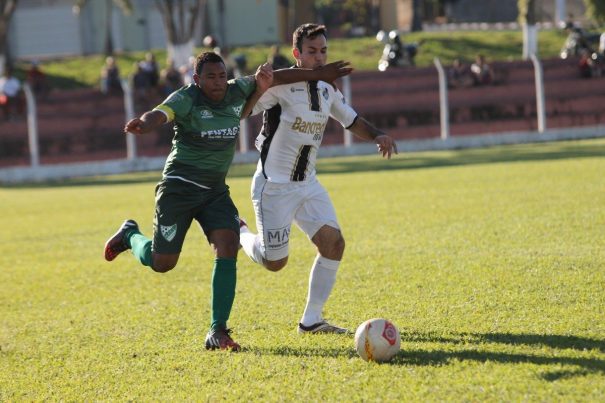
{"x":481,"y":72}
{"x":170,"y":78}
{"x":459,"y":75}
{"x":110,"y":77}
{"x":278,"y":60}
{"x":187,"y":71}
{"x":139,"y":81}
{"x":150,"y":68}
{"x":37,"y":80}
{"x":11,"y":98}
{"x":233,"y":70}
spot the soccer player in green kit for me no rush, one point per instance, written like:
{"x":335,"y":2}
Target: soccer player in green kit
{"x":206,"y":116}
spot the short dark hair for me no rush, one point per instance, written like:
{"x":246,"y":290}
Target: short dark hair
{"x":307,"y":31}
{"x":206,"y":57}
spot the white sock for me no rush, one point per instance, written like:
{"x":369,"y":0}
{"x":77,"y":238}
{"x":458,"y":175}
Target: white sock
{"x":321,"y":281}
{"x":251,"y":245}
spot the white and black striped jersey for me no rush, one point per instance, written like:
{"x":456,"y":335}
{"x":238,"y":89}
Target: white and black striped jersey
{"x":294,"y":120}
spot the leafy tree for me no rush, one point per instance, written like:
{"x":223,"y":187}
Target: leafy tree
{"x":595,"y":10}
{"x":180,"y":19}
{"x":527,"y":11}
{"x":416,"y":15}
{"x":349,"y":13}
{"x":7,"y":8}
{"x":124,"y":5}
{"x":527,"y":19}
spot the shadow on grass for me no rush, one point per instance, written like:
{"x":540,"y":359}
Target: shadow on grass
{"x":307,"y":352}
{"x":502,"y":154}
{"x":407,"y":357}
{"x":127,"y":179}
{"x":417,"y":160}
{"x":584,"y":366}
{"x":65,"y":83}
{"x":549,"y":340}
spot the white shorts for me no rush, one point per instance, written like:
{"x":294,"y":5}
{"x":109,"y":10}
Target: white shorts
{"x":276,"y":205}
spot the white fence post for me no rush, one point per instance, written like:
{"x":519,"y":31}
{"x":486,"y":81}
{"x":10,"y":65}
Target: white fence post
{"x":444,"y":108}
{"x":32,"y":126}
{"x":131,"y":142}
{"x":540,"y":103}
{"x":530,"y":40}
{"x":560,"y":11}
{"x":346,"y":91}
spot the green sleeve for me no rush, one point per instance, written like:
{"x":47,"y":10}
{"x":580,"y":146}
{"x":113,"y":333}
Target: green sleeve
{"x":177,"y":105}
{"x":246,"y":84}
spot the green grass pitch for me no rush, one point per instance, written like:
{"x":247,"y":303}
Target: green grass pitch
{"x":490,"y":262}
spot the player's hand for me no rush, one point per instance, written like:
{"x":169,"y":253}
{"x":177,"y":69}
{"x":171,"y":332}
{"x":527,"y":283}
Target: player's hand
{"x":135,"y":126}
{"x":264,"y":77}
{"x":331,"y":71}
{"x":386,"y":145}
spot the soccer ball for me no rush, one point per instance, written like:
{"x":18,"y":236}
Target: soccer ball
{"x":377,"y":340}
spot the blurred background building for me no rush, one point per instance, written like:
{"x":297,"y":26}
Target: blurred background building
{"x":51,"y":28}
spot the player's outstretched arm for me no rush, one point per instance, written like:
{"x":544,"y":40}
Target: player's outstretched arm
{"x":327,"y":73}
{"x":264,"y":79}
{"x":147,"y":122}
{"x":365,"y":130}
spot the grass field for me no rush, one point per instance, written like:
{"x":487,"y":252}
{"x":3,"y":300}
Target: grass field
{"x":489,"y":261}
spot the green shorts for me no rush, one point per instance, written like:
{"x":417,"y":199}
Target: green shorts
{"x":177,"y":203}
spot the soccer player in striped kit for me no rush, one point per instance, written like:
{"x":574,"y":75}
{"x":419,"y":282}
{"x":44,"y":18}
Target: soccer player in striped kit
{"x":284,"y":186}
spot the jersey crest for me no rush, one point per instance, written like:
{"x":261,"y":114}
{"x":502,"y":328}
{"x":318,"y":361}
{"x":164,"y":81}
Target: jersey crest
{"x":237,"y":109}
{"x":206,"y":114}
{"x":168,"y":232}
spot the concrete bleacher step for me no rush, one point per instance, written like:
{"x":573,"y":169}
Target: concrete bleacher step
{"x":493,"y":126}
{"x":83,"y":103}
{"x":405,"y":79}
{"x":13,"y":138}
{"x":80,"y":120}
{"x":578,"y":88}
{"x":387,"y":103}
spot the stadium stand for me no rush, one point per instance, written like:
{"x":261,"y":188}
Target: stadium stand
{"x":83,"y":124}
{"x":76,"y":125}
{"x":406,"y":102}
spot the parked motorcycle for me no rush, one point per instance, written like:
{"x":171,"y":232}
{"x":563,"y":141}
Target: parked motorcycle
{"x":579,"y":41}
{"x":395,"y":52}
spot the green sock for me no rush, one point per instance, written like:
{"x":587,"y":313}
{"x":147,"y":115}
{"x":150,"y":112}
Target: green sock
{"x":224,"y":277}
{"x":141,"y":247}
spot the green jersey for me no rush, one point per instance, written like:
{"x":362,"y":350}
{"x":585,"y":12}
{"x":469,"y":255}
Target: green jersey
{"x":205,"y":132}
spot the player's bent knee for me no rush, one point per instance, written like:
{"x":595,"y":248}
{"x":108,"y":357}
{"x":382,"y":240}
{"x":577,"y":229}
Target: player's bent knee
{"x":332,"y":248}
{"x":339,"y":245}
{"x":163,"y":267}
{"x":224,"y":242}
{"x":163,"y":264}
{"x":276,"y":265}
